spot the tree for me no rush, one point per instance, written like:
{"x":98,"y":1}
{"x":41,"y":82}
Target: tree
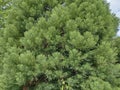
{"x":59,"y":45}
{"x":116,"y":43}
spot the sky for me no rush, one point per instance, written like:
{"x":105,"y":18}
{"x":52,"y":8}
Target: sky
{"x":115,"y":8}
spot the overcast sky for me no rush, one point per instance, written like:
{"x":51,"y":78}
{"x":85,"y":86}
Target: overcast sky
{"x":115,"y":8}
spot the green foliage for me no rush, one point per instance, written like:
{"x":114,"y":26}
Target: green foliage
{"x":116,"y":43}
{"x":94,"y":83}
{"x":58,"y":45}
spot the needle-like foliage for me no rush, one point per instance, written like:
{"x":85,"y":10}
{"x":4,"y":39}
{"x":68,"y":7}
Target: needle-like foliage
{"x":58,"y":45}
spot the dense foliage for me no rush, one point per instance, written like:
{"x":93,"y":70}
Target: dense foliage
{"x":58,"y":45}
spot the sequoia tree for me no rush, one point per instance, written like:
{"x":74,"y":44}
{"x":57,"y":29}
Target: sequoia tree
{"x":58,"y":45}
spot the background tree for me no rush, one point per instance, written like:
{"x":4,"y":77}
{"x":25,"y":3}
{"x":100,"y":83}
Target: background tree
{"x":59,"y":44}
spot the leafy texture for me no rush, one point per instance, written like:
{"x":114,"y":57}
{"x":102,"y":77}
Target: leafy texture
{"x":58,"y":45}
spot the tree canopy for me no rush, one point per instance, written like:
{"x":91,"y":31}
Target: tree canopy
{"x":58,"y":45}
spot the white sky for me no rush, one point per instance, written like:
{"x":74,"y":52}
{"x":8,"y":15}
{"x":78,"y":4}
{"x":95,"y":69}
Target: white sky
{"x":115,"y":8}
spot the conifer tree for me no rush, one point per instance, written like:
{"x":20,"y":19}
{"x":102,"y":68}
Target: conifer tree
{"x":59,"y":45}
